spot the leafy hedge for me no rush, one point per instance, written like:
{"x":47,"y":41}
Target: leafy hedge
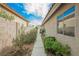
{"x":56,"y":48}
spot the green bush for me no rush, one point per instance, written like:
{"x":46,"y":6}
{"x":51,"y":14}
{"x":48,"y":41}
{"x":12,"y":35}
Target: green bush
{"x":50,"y":38}
{"x":53,"y":46}
{"x":48,"y":42}
{"x":65,"y":50}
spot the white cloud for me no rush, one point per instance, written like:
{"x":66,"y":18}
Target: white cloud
{"x":38,"y":10}
{"x":35,"y":22}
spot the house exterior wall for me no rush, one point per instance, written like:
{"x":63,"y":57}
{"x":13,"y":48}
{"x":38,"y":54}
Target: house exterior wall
{"x":51,"y":28}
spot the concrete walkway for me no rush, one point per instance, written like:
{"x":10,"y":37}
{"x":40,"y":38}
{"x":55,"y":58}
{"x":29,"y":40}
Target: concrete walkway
{"x":38,"y":49}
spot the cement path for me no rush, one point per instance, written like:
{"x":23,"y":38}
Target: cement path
{"x":38,"y":49}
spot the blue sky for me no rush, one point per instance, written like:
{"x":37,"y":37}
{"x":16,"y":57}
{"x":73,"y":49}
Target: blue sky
{"x":33,"y":12}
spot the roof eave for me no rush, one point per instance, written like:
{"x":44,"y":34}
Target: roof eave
{"x":53,"y":9}
{"x":4,"y":5}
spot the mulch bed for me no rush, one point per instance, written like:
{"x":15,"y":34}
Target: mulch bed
{"x":16,"y":51}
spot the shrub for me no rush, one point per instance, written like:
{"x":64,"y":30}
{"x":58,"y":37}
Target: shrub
{"x":48,"y":41}
{"x":65,"y":50}
{"x":50,"y":38}
{"x":53,"y":46}
{"x":25,"y":38}
{"x":30,"y":37}
{"x":18,"y":48}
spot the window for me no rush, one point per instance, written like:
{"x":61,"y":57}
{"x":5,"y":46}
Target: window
{"x":69,"y":27}
{"x":60,"y":27}
{"x":66,"y":22}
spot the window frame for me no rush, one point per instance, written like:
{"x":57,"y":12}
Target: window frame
{"x":72,"y":13}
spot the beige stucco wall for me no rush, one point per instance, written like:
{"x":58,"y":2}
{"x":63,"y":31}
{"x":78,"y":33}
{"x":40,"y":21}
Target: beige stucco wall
{"x":7,"y":33}
{"x":51,"y":29}
{"x":8,"y":30}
